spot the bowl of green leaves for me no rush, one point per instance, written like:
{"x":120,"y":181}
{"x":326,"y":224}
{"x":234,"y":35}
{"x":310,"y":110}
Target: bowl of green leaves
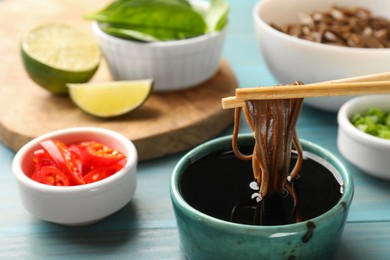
{"x":177,"y":43}
{"x":364,"y":134}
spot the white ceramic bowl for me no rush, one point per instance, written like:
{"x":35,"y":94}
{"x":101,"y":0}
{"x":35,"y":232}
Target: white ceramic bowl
{"x":173,"y":65}
{"x":82,"y":204}
{"x":369,"y":153}
{"x":289,"y":58}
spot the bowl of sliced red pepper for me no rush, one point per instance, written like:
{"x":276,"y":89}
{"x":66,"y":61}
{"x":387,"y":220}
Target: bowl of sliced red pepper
{"x":76,"y":176}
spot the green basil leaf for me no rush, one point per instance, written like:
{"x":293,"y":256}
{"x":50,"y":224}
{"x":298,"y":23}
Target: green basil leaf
{"x":216,"y":16}
{"x":156,"y":19}
{"x":127,"y":33}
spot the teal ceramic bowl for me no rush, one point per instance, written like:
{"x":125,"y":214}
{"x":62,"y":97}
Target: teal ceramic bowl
{"x":206,"y":237}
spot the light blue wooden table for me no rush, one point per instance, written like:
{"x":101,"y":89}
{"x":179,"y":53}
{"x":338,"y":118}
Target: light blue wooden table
{"x":146,"y":227}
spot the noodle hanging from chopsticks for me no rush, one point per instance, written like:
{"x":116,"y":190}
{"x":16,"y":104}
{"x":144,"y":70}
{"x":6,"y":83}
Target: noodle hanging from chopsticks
{"x":274,"y":125}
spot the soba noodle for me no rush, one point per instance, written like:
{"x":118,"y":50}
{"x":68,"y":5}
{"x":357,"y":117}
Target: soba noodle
{"x":274,"y":125}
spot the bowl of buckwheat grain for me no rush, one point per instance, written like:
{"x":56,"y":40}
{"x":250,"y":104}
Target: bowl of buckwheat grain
{"x":327,"y":40}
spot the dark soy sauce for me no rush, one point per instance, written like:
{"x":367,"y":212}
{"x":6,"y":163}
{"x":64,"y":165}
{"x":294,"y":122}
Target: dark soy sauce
{"x":218,"y":185}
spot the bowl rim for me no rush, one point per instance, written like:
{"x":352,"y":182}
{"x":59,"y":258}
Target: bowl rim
{"x":114,"y":179}
{"x":183,"y":206}
{"x":261,"y":23}
{"x":345,"y":124}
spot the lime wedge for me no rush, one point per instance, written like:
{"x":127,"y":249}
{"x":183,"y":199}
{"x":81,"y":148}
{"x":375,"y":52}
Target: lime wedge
{"x":112,"y":98}
{"x":56,"y":54}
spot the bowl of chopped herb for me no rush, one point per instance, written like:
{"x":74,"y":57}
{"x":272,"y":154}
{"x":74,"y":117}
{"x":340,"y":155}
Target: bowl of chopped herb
{"x":316,"y":41}
{"x":364,"y":133}
{"x":178,"y":44}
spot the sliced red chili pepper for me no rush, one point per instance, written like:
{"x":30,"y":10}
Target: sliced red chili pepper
{"x":119,"y":165}
{"x":42,"y":158}
{"x":78,"y":166}
{"x":97,"y":154}
{"x":83,"y":145}
{"x":63,"y":158}
{"x":95,"y":175}
{"x":62,"y":165}
{"x":50,"y":175}
{"x":100,"y":173}
{"x":73,"y":162}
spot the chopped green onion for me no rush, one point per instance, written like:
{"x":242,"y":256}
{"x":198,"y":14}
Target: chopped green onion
{"x":374,"y":122}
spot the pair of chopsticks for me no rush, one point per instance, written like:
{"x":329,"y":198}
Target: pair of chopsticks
{"x":369,"y":84}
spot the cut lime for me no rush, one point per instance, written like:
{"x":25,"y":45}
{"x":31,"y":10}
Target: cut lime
{"x":112,"y":98}
{"x":56,"y":54}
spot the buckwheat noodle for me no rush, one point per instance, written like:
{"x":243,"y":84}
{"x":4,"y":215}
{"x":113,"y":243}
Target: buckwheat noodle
{"x":273,"y":123}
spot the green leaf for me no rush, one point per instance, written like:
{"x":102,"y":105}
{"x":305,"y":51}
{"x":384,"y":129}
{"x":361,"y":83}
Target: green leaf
{"x":153,"y":19}
{"x":216,"y":16}
{"x":127,"y":33}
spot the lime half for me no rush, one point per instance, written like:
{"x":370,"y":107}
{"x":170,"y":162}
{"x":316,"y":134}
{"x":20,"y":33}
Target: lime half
{"x":56,"y":54}
{"x":112,"y":98}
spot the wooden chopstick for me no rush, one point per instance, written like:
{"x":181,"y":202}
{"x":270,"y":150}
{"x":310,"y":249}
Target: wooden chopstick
{"x":368,"y":84}
{"x":313,"y":90}
{"x":305,"y":91}
{"x":384,"y":76}
{"x":232,"y":102}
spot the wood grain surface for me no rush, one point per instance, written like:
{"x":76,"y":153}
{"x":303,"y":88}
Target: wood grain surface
{"x":166,"y":123}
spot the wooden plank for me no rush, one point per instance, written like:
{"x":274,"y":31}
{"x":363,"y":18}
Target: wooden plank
{"x":359,"y":241}
{"x":365,"y":241}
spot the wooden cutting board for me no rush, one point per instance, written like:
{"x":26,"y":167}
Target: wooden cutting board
{"x":167,"y":123}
